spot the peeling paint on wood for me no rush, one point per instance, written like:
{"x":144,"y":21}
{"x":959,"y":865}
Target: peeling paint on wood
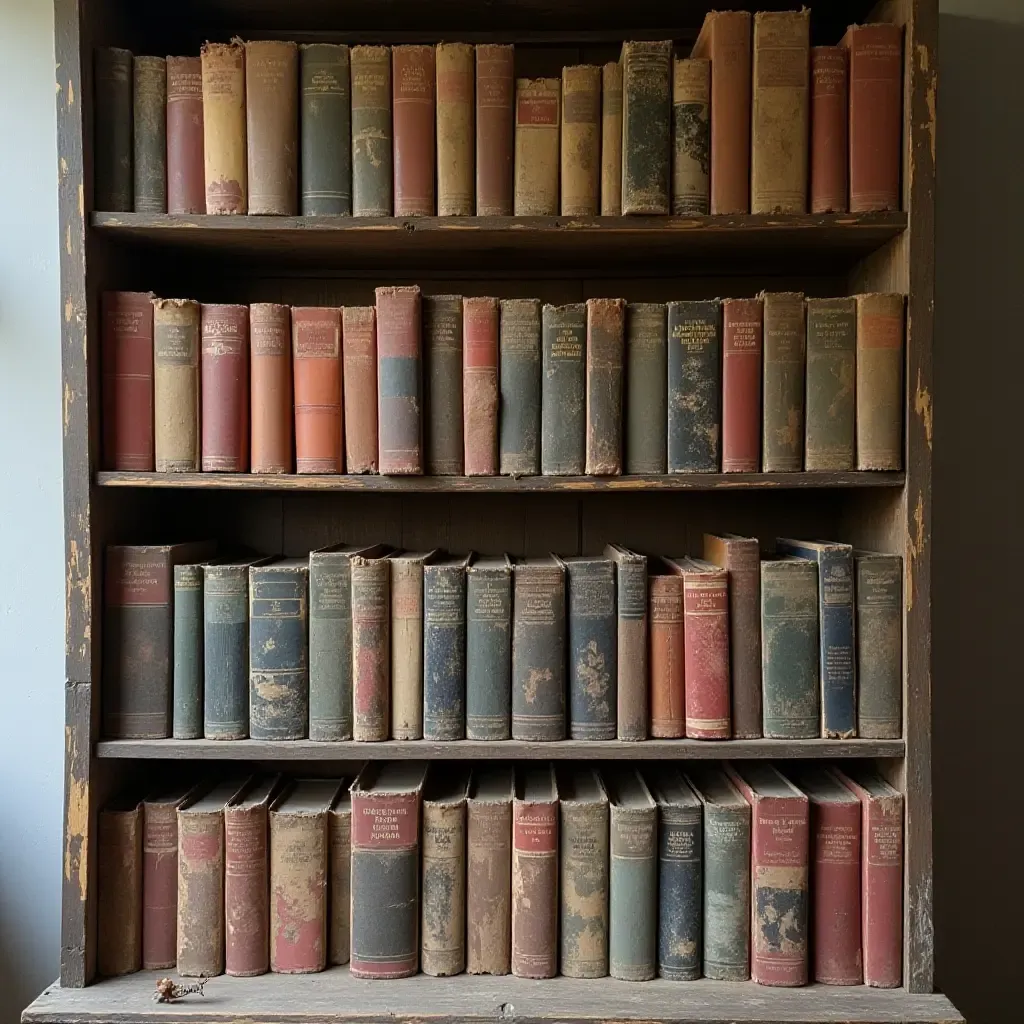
{"x":923,"y":408}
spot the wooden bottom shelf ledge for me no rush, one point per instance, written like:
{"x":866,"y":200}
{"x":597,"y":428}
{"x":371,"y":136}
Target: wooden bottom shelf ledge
{"x":335,"y":997}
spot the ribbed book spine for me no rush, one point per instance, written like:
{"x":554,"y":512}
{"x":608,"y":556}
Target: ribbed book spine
{"x":480,"y":385}
{"x":495,"y":130}
{"x":646,"y":413}
{"x":691,"y":136}
{"x":442,"y":354}
{"x":489,"y":887}
{"x":399,"y":380}
{"x":538,"y":120}
{"x":581,"y":141}
{"x":371,"y":670}
{"x":829,"y":425}
{"x":187,"y":704}
{"x":879,"y":622}
{"x":443,"y":925}
{"x":127,"y":389}
{"x":272,"y":126}
{"x":119,"y":886}
{"x":270,"y":378}
{"x":149,"y":111}
{"x":593,"y":664}
{"x":325,"y":130}
{"x":246,"y":888}
{"x":330,"y":646}
{"x":339,"y":835}
{"x":316,"y":357}
{"x":880,"y":381}
{"x":176,"y":326}
{"x":742,"y":348}
{"x":694,"y":386}
{"x":413,"y":99}
{"x":186,"y":174}
{"x":611,"y":140}
{"x":646,"y":127}
{"x":680,"y":896}
{"x":159,"y":884}
{"x":633,"y":884}
{"x":667,"y":662}
{"x":726,"y":893}
{"x":706,"y":643}
{"x":224,"y":144}
{"x":225,"y":388}
{"x":489,"y":651}
{"x":829,"y":117}
{"x":112,"y":133}
{"x":226,"y":652}
{"x":444,"y":651}
{"x":785,"y":345}
{"x":201,"y":894}
{"x":456,"y":71}
{"x":371,"y":131}
{"x":563,"y":390}
{"x":535,"y":889}
{"x":631,"y":601}
{"x":519,"y":371}
{"x":583,"y":889}
{"x":605,"y":364}
{"x":407,"y":625}
{"x":359,"y":379}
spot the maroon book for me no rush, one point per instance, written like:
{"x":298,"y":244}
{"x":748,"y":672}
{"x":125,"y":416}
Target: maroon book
{"x":829,"y":91}
{"x":127,"y":362}
{"x":742,"y":345}
{"x":225,"y":382}
{"x":359,"y":385}
{"x":186,"y":171}
{"x":412,"y":79}
{"x":495,"y":86}
{"x":480,"y":385}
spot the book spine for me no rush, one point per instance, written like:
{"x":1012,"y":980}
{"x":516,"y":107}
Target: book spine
{"x":581,"y":141}
{"x":583,"y":886}
{"x":535,"y":890}
{"x":694,"y":387}
{"x":742,"y":349}
{"x":224,"y":141}
{"x":201,"y":895}
{"x":326,"y":130}
{"x":442,"y":351}
{"x":444,"y":652}
{"x":646,"y":127}
{"x":159,"y":886}
{"x":632,"y":938}
{"x":880,"y":381}
{"x":726,"y":893}
{"x":667,"y":664}
{"x":120,"y":892}
{"x":691,"y":137}
{"x":224,"y":372}
{"x":149,"y":112}
{"x":187,"y":671}
{"x":176,"y":328}
{"x":246,"y":884}
{"x":611,"y":140}
{"x":646,"y":387}
{"x":456,"y":172}
{"x":226,"y":653}
{"x":879,"y":630}
{"x":186,"y":174}
{"x":359,"y":378}
{"x":838,"y":656}
{"x":605,"y":359}
{"x":298,"y":893}
{"x":339,"y":835}
{"x":495,"y":131}
{"x":399,"y":380}
{"x":706,"y":645}
{"x":785,"y":344}
{"x":412,"y":69}
{"x":272,"y":126}
{"x":316,"y":357}
{"x":371,"y":131}
{"x":538,"y":654}
{"x":488,"y":653}
{"x":330,"y":647}
{"x":443,"y":925}
{"x":882,"y":891}
{"x":632,"y":697}
{"x":270,"y":387}
{"x":371,"y":671}
{"x":480,"y":326}
{"x":112,"y":188}
{"x":836,"y":885}
{"x":593,"y":659}
{"x":488,"y":887}
{"x":127,"y":366}
{"x":829,"y":105}
{"x":538,"y":120}
{"x":563,"y":390}
{"x":680,"y":897}
{"x":520,"y":399}
{"x":831,"y":379}
{"x":406,"y":650}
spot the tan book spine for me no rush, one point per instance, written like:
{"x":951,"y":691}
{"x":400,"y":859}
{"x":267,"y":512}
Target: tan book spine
{"x":489,"y":887}
{"x":224,"y":147}
{"x":339,"y":827}
{"x":272,"y":126}
{"x":611,"y":140}
{"x":538,"y":118}
{"x":879,"y":386}
{"x":443,"y":925}
{"x":581,"y":140}
{"x":201,"y":894}
{"x":406,"y":649}
{"x":176,"y":385}
{"x":456,"y":135}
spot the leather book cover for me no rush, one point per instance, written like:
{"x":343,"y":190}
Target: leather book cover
{"x":325,"y":130}
{"x":339,"y":874}
{"x":880,"y":398}
{"x":186,"y":171}
{"x":119,"y":885}
{"x":489,"y":870}
{"x":127,"y":391}
{"x":443,"y":894}
{"x":386,"y":869}
{"x":495,"y":130}
{"x":829,"y":427}
{"x":694,"y":386}
{"x":876,"y":115}
{"x":317,"y":369}
{"x":149,"y":112}
{"x":879,"y":632}
{"x":829,"y":106}
{"x":583,"y":873}
{"x":538,"y":649}
{"x":646,"y":127}
{"x":691,"y":136}
{"x":593,"y":659}
{"x":605,"y":364}
{"x":725,"y":40}
{"x":442,"y":355}
{"x":444,"y":648}
{"x":780,"y":112}
{"x":785,"y":347}
{"x":646,"y":387}
{"x":741,"y":557}
{"x":224,"y":373}
{"x":371,"y":647}
{"x":742,"y":350}
{"x":412,"y":82}
{"x":611,"y":139}
{"x":480,"y":329}
{"x":371,"y":131}
{"x":270,"y":387}
{"x":224,"y":142}
{"x":538,"y":125}
{"x":563,"y":399}
{"x":399,"y":380}
{"x":456,"y":135}
{"x":581,"y":141}
{"x":187,"y":655}
{"x":407,"y":644}
{"x":176,"y":330}
{"x":631,"y":713}
{"x":519,"y":361}
{"x":535,"y":872}
{"x":113,"y":184}
{"x":666,"y":654}
{"x":359,"y":382}
{"x":489,"y":648}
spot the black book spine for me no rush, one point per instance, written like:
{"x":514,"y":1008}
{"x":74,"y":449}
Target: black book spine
{"x":226,"y":652}
{"x":646,"y":387}
{"x":326,"y":130}
{"x":488,"y":653}
{"x":593,"y":635}
{"x":444,"y":652}
{"x":113,"y":186}
{"x":694,"y":386}
{"x":680,"y":889}
{"x":563,"y":390}
{"x":519,"y":374}
{"x":442,"y":354}
{"x":150,"y":129}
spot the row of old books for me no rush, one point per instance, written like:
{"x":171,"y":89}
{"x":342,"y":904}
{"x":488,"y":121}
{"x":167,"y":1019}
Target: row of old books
{"x":729,"y":872}
{"x":446,"y":385}
{"x":363,"y":643}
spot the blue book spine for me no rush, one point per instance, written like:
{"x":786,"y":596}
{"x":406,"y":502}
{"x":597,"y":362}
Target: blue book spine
{"x":680,"y":893}
{"x":489,"y":651}
{"x":593,"y":635}
{"x":444,"y":652}
{"x":226,"y":652}
{"x":187,"y":704}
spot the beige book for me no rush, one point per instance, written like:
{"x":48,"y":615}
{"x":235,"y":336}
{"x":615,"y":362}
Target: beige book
{"x":538,"y":119}
{"x":611,"y":140}
{"x":456,"y":136}
{"x":224,"y":147}
{"x":176,"y":385}
{"x":407,"y":644}
{"x":581,"y":140}
{"x":879,"y":387}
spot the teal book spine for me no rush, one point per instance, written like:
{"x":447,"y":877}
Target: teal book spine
{"x":187,"y":670}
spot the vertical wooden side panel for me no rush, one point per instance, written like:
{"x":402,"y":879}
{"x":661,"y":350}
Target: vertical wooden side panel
{"x":78,"y":930}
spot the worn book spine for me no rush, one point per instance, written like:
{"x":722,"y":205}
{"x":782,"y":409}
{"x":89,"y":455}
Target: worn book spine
{"x":316,"y":361}
{"x":694,"y":386}
{"x":879,"y":632}
{"x":399,"y":380}
{"x":838,"y":655}
{"x":119,"y":886}
{"x":272,"y":126}
{"x":224,"y":142}
{"x":495,"y":131}
{"x":176,"y":329}
{"x":646,"y":127}
{"x":611,"y":139}
{"x":880,"y":381}
{"x":456,"y":173}
{"x":882,"y":889}
{"x":224,"y":373}
{"x":488,"y":652}
{"x":535,"y":889}
{"x":325,"y":132}
{"x":480,"y":327}
{"x":246,"y":887}
{"x":835,"y":883}
{"x":519,"y":363}
{"x":632,"y":934}
{"x":583,"y":889}
{"x":226,"y":652}
{"x":489,"y":887}
{"x":371,"y":131}
{"x":187,"y":669}
{"x":442,"y":354}
{"x":298,"y":893}
{"x":270,"y":387}
{"x":785,"y":344}
{"x":149,"y":113}
{"x":581,"y":141}
{"x":829,"y":430}
{"x":186,"y":173}
{"x":706,"y":643}
{"x":359,"y":377}
{"x":538,"y":122}
{"x":371,"y":668}
{"x":112,"y":134}
{"x":330,"y":646}
{"x":726,"y":892}
{"x":680,"y":892}
{"x":605,"y":364}
{"x":593,"y":659}
{"x":412,"y":70}
{"x":563,"y":390}
{"x":691,"y":136}
{"x":201,"y":895}
{"x":632,"y":696}
{"x":443,"y":924}
{"x":780,"y":112}
{"x":829,"y":105}
{"x":646,"y":412}
{"x":127,"y":390}
{"x":406,"y":649}
{"x":538,"y":653}
{"x":444,"y":652}
{"x":339,"y":873}
{"x":159,"y":885}
{"x":667,"y":663}
{"x":742,"y":350}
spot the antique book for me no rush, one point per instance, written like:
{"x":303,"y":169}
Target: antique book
{"x":399,"y":380}
{"x":694,"y":386}
{"x":829,"y":423}
{"x":224,"y":372}
{"x":272,"y":126}
{"x":224,"y":142}
{"x":325,"y":130}
{"x":407,"y":644}
{"x":371,"y":646}
{"x":270,"y":388}
{"x":372,"y":160}
{"x":691,"y":136}
{"x":829,"y":107}
{"x":480,"y":328}
{"x":563,"y":390}
{"x":317,"y":370}
{"x":646,"y":412}
{"x":339,"y":874}
{"x":519,"y":373}
{"x":176,"y":330}
{"x":495,"y":131}
{"x":442,"y":357}
{"x":112,"y":133}
{"x":583,"y":873}
{"x":127,"y":385}
{"x":538,"y":121}
{"x":780,"y":112}
{"x":880,"y":381}
{"x":359,"y":379}
{"x":444,"y":648}
{"x":412,"y":82}
{"x":386,"y":869}
{"x":611,"y":139}
{"x":646,"y":126}
{"x":593,"y":636}
{"x":742,"y":349}
{"x":187,"y":654}
{"x":149,"y":113}
{"x":186,"y":173}
{"x":119,"y":888}
{"x":785,"y":344}
{"x":489,"y":648}
{"x":632,"y":700}
{"x":605,"y":365}
{"x":666,"y":655}
{"x":456,"y":138}
{"x":581,"y":141}
{"x":879,"y":595}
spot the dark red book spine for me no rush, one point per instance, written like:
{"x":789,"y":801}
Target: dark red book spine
{"x":706,"y":647}
{"x":159,"y":886}
{"x":127,"y":361}
{"x":316,"y":369}
{"x":246,"y":880}
{"x":186,"y":170}
{"x":836,"y":892}
{"x":225,"y":382}
{"x":742,"y":345}
{"x":882,"y":890}
{"x":400,"y":380}
{"x":829,"y":97}
{"x":480,"y":385}
{"x":535,"y":889}
{"x":668,"y":680}
{"x":495,"y":87}
{"x":412,"y":78}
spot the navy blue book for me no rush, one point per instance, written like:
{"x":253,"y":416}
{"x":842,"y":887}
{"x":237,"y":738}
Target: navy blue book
{"x":593,"y":646}
{"x":444,"y":648}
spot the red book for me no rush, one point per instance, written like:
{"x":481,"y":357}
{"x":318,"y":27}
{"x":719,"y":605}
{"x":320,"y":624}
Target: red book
{"x":127,"y":361}
{"x":271,"y":387}
{"x":186,"y":170}
{"x":667,"y":651}
{"x":742,"y":345}
{"x":829,"y":91}
{"x":495,"y":87}
{"x":412,"y":78}
{"x":316,"y":368}
{"x":359,"y":387}
{"x":399,"y":380}
{"x":480,"y":385}
{"x":371,"y":647}
{"x":225,"y":382}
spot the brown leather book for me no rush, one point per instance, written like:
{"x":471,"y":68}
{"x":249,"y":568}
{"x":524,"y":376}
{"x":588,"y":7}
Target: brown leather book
{"x":581,"y":140}
{"x":399,"y":380}
{"x":611,"y":140}
{"x":489,"y":870}
{"x":442,"y":377}
{"x":225,"y":379}
{"x":272,"y":126}
{"x":668,"y":677}
{"x":829,"y":92}
{"x":186,"y":175}
{"x":606,"y":328}
{"x":127,"y":366}
{"x":632,"y":648}
{"x":316,"y":361}
{"x":495,"y":90}
{"x":371,"y":647}
{"x":412,"y":81}
{"x":339,"y":835}
{"x":271,"y":387}
{"x":119,"y":885}
{"x":456,"y":174}
{"x":538,"y":118}
{"x":480,"y":385}
{"x":784,"y":382}
{"x":176,"y":329}
{"x":224,"y":147}
{"x":359,"y":378}
{"x":879,"y":386}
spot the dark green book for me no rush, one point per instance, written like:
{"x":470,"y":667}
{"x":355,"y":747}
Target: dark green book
{"x":830,"y":418}
{"x":879,"y":587}
{"x":187,"y":669}
{"x":646,"y":387}
{"x":326,"y":130}
{"x":149,"y":103}
{"x":646,"y":126}
{"x":519,"y":374}
{"x":113,"y":180}
{"x":372,"y":158}
{"x":694,"y":386}
{"x":785,"y":346}
{"x":442,"y":356}
{"x":489,"y":649}
{"x":563,"y":390}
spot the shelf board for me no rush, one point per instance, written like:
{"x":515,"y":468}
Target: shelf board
{"x":335,"y":997}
